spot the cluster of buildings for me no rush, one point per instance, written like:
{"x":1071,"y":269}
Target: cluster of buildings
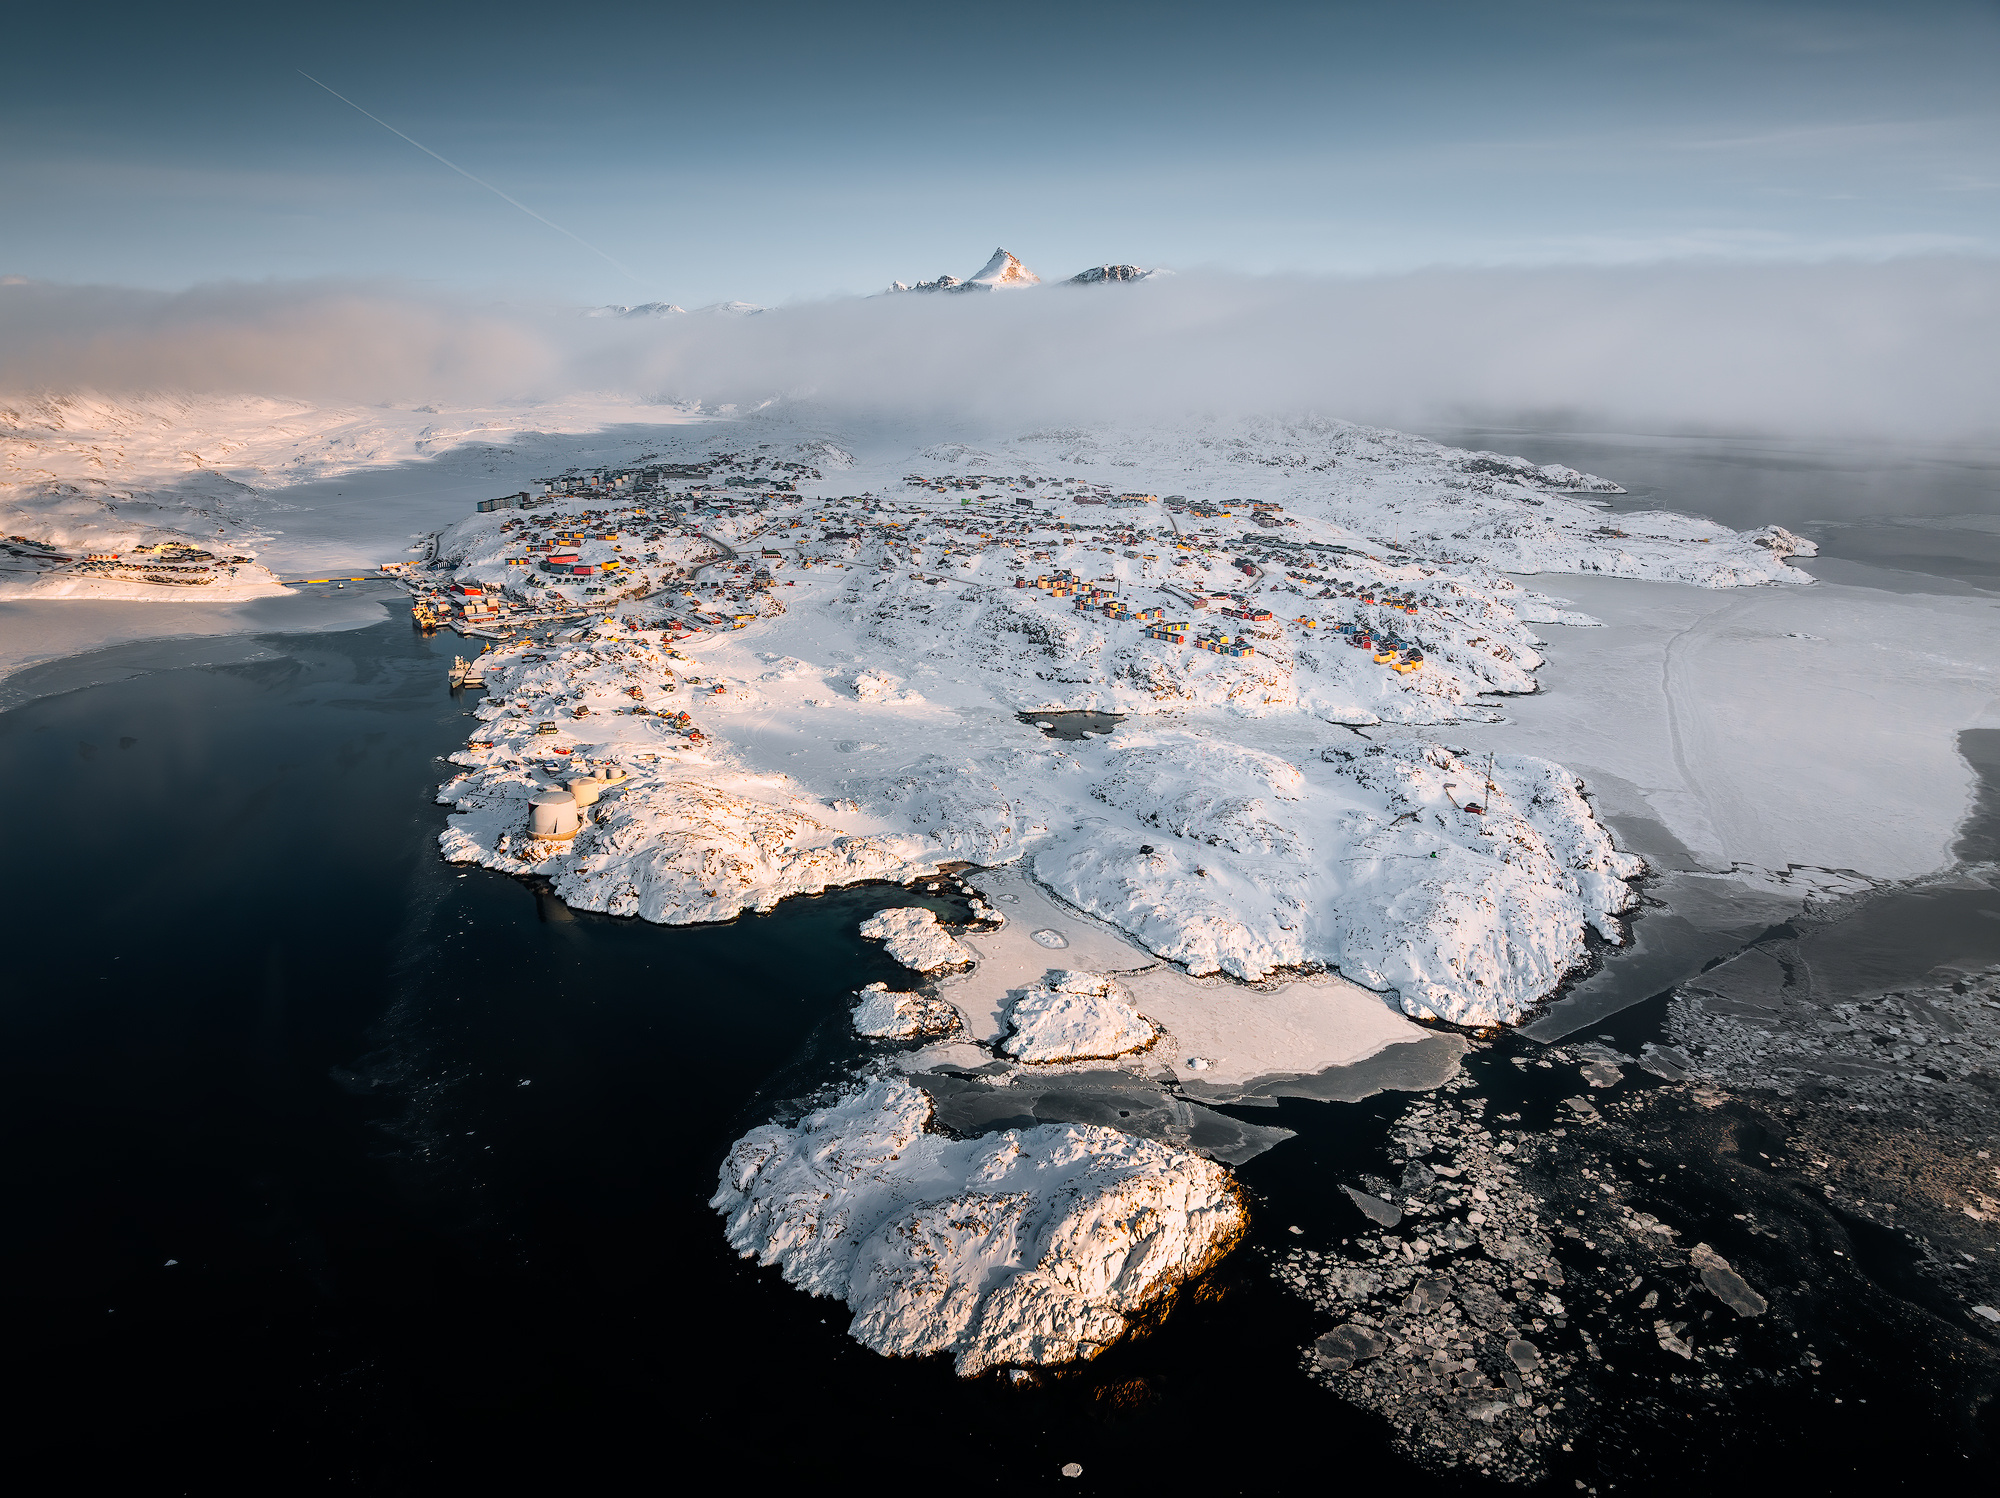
{"x":564,"y":560}
{"x":666,"y":483}
{"x":175,"y":563}
{"x":1089,"y":598}
{"x":959,"y":482}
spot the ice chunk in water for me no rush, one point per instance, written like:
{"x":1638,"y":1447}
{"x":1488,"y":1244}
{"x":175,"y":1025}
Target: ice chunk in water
{"x":1431,"y":1293}
{"x":1725,"y":1283}
{"x":1344,"y":1346}
{"x":1374,"y":1208}
{"x":1664,"y":1062}
{"x":1668,"y":1340}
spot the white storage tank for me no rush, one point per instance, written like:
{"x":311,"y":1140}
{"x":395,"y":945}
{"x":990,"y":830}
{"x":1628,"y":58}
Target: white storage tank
{"x":552,"y":814}
{"x":586,"y":789}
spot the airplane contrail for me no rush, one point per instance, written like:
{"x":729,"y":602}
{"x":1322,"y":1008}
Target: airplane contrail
{"x":470,"y":178}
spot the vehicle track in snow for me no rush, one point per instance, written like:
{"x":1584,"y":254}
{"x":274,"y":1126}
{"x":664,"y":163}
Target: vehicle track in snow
{"x":1689,"y":724}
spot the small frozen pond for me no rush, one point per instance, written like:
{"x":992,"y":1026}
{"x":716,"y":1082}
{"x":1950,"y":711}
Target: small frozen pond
{"x":1073,"y":725}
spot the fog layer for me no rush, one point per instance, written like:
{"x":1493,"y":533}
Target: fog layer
{"x":1903,"y":347}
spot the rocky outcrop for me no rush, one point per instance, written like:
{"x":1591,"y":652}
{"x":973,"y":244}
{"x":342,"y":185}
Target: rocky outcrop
{"x":884,"y":1015}
{"x":1104,"y":275}
{"x":914,"y":938}
{"x":1072,"y":1016}
{"x":1026,"y":1247}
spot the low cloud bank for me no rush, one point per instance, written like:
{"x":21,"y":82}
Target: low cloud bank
{"x":1909,"y":348}
{"x":319,"y":340}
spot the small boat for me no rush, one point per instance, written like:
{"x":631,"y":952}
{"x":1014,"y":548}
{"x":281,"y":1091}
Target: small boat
{"x":465,"y":673}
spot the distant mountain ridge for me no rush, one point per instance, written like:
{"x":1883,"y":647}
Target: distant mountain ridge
{"x":1004,"y":271}
{"x":668,"y":309}
{"x":643,"y":309}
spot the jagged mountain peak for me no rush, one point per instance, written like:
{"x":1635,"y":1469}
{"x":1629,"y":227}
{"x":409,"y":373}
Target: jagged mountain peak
{"x":942,"y":283}
{"x":1101,"y":275}
{"x":1004,"y":270}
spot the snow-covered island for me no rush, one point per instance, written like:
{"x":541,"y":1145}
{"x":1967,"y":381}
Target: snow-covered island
{"x":1018,"y":1248}
{"x":1162,"y":682}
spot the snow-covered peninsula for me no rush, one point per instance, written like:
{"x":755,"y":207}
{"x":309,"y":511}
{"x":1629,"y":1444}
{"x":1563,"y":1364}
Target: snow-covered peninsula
{"x":1175,"y":709}
{"x":883,"y":708}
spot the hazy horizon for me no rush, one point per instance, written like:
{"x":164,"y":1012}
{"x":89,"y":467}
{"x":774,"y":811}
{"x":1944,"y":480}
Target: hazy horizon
{"x":1902,"y":347}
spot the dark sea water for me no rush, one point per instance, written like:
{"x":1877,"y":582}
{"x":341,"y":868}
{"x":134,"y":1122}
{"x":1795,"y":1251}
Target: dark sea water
{"x":330,"y":1163}
{"x":1885,"y":515}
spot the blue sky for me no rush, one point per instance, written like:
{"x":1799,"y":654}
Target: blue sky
{"x":782,"y":152}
